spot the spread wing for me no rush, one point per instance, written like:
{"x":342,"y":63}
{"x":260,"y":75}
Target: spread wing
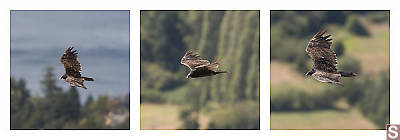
{"x":323,"y":57}
{"x":193,"y":61}
{"x":213,"y":66}
{"x":70,"y":62}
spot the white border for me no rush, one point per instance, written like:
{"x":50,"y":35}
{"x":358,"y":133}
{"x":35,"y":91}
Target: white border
{"x":135,"y":7}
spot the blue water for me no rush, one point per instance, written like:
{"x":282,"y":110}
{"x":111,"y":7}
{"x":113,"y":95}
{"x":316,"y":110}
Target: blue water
{"x":109,"y":68}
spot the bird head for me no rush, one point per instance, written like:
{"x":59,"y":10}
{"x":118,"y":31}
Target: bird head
{"x":312,"y":71}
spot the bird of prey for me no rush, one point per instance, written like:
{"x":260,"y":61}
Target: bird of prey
{"x":199,"y":67}
{"x":73,"y":69}
{"x":324,"y":60}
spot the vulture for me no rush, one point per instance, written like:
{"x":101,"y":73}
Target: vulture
{"x":73,"y":69}
{"x":199,"y":67}
{"x":324,"y":60}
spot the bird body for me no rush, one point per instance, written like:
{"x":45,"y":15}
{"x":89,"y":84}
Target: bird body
{"x":199,"y":67}
{"x":332,"y":78}
{"x":73,"y":69}
{"x":324,"y":60}
{"x":203,"y":72}
{"x":73,"y":81}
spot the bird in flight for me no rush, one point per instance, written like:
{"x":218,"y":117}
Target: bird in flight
{"x":199,"y":67}
{"x":73,"y":69}
{"x":324,"y":60}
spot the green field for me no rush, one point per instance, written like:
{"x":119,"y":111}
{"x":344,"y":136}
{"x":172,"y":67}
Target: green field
{"x":325,"y":119}
{"x":153,"y":116}
{"x":284,"y":74}
{"x":371,"y":51}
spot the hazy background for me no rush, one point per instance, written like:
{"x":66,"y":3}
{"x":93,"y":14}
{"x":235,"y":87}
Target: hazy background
{"x":225,"y":101}
{"x":38,"y":39}
{"x":361,"y":42}
{"x":101,"y":38}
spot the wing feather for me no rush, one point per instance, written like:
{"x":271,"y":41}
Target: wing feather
{"x":193,"y":60}
{"x":319,"y":49}
{"x":71,"y":63}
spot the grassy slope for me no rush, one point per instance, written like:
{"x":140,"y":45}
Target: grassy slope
{"x":325,"y":119}
{"x":373,"y":51}
{"x":378,"y":56}
{"x":164,"y":116}
{"x":284,"y":74}
{"x":159,"y":116}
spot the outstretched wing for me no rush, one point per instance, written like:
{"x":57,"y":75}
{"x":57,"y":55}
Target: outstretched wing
{"x":324,"y":59}
{"x":193,"y":60}
{"x":71,"y":63}
{"x":213,"y":66}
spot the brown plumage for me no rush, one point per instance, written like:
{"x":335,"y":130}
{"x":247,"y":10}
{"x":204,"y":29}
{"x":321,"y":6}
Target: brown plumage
{"x":73,"y":69}
{"x":199,"y":67}
{"x":324,"y":60}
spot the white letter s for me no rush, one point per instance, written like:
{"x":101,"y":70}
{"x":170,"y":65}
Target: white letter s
{"x":393,"y":129}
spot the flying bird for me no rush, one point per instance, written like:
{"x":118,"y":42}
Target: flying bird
{"x":73,"y":69}
{"x":199,"y":67}
{"x":324,"y":60}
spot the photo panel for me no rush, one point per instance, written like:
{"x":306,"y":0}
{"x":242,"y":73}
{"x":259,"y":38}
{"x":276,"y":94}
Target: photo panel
{"x":329,"y":70}
{"x":69,"y":69}
{"x":200,"y":69}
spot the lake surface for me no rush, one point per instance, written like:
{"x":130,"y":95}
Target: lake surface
{"x":101,"y":38}
{"x":109,"y":68}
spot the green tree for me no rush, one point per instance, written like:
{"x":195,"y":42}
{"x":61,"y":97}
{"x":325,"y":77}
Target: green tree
{"x":375,"y":102}
{"x":49,"y":83}
{"x":338,"y":47}
{"x":94,"y":114}
{"x":354,"y":25}
{"x":21,"y":106}
{"x":242,"y":115}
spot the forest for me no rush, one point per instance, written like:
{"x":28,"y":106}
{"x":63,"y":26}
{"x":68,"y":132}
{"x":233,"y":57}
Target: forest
{"x":361,"y":43}
{"x":225,"y":101}
{"x":62,"y":109}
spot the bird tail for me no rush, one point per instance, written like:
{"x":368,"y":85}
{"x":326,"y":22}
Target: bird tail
{"x":218,"y":72}
{"x":88,"y":79}
{"x":338,"y":84}
{"x":347,"y":74}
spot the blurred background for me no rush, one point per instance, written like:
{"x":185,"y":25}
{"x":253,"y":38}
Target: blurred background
{"x":39,"y":99}
{"x":361,"y":42}
{"x":225,"y":101}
